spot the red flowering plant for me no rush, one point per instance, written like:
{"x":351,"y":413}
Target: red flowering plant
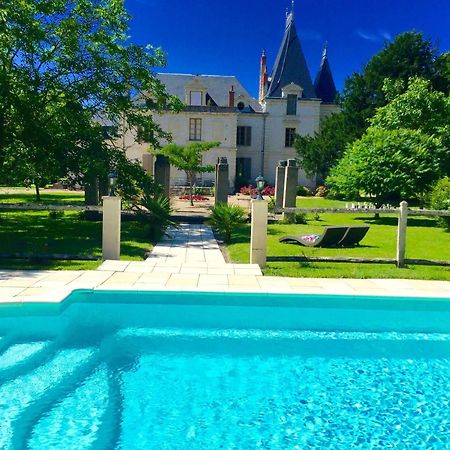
{"x":195,"y":198}
{"x":250,"y":190}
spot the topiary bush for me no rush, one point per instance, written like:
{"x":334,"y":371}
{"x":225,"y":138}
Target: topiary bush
{"x":225,"y":219}
{"x":440,"y":200}
{"x":321,"y":191}
{"x":304,"y":191}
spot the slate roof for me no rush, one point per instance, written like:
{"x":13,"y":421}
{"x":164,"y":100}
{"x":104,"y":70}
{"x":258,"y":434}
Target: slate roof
{"x":218,"y":87}
{"x":324,"y":83}
{"x":290,"y":65}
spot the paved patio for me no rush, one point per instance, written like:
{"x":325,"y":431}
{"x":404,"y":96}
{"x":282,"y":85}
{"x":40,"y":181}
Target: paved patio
{"x":191,"y":260}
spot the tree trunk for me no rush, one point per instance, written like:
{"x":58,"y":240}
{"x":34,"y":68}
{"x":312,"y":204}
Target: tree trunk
{"x":191,"y":191}
{"x":91,"y":196}
{"x":38,"y":194}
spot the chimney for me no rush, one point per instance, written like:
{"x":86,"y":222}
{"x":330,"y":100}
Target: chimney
{"x":263,"y":77}
{"x":231,"y":97}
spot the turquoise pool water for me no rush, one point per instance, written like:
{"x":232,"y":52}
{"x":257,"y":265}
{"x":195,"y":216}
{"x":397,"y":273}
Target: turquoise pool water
{"x":205,"y":371}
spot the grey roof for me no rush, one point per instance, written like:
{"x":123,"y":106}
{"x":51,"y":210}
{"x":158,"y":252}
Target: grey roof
{"x":218,"y":87}
{"x":324,"y":83}
{"x":290,"y":65}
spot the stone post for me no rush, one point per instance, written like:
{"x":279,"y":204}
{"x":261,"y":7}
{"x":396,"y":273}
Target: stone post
{"x":290,"y":187}
{"x":279,"y":183}
{"x":222,"y":184}
{"x":162,"y":173}
{"x":401,"y":235}
{"x":147,"y":163}
{"x":111,"y":227}
{"x":258,"y":236}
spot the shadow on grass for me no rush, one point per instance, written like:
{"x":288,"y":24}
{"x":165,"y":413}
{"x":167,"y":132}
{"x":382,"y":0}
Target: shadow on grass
{"x":54,"y":199}
{"x":393,"y":221}
{"x":36,"y":233}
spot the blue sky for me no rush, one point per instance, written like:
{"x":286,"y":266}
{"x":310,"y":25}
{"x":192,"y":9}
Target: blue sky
{"x":219,"y":37}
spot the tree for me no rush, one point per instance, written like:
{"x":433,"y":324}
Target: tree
{"x":65,"y":66}
{"x":421,"y":108}
{"x":320,"y":152}
{"x":189,"y":159}
{"x":409,"y":55}
{"x":387,"y":165}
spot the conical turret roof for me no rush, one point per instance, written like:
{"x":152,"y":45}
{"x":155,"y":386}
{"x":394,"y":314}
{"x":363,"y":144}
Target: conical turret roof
{"x":324,"y":83}
{"x":290,"y":64}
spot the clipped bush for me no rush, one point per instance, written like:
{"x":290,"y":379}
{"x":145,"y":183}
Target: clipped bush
{"x":297,"y":218}
{"x":440,"y":200}
{"x":225,"y":219}
{"x":304,"y":191}
{"x":55,"y":214}
{"x":321,"y":191}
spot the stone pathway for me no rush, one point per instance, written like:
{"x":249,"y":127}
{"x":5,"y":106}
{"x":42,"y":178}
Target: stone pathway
{"x":192,"y":261}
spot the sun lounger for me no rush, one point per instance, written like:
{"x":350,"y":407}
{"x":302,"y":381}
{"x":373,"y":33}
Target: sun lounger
{"x":354,"y":235}
{"x":330,"y":238}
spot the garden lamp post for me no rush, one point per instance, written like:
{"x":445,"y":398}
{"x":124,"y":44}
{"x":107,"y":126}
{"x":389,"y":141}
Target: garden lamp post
{"x":112,"y":181}
{"x":260,"y":183}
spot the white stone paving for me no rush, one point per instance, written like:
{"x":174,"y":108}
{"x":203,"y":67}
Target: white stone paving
{"x":191,"y":260}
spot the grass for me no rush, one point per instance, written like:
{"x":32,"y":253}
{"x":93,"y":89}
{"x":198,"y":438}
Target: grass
{"x":423,"y":241}
{"x":35,"y":232}
{"x":54,"y":198}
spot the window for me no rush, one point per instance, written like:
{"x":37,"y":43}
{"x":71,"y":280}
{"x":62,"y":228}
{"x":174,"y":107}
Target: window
{"x":110,"y":131}
{"x":289,"y":137}
{"x":141,"y":135}
{"x":195,"y":98}
{"x":244,"y":136}
{"x":195,"y":129}
{"x":291,"y":105}
{"x":240,"y":106}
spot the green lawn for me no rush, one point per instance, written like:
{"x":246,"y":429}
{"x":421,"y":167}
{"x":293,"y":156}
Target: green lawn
{"x":47,"y":197}
{"x":34,"y":232}
{"x":424,"y":241}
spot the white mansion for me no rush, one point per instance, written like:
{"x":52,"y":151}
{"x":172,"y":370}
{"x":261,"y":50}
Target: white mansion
{"x":254,"y":134}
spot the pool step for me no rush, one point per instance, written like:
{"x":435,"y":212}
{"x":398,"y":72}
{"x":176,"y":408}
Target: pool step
{"x":241,"y":342}
{"x":75,"y":420}
{"x":27,"y":391}
{"x":19,"y":353}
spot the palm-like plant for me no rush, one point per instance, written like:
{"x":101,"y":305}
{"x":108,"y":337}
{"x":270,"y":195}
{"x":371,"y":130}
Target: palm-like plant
{"x":225,"y":219}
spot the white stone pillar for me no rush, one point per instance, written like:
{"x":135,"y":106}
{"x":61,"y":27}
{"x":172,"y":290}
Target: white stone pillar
{"x":111,"y":227}
{"x":258,"y":239}
{"x":401,"y":235}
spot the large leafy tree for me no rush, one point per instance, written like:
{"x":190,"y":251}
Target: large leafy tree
{"x":66,"y":67}
{"x":318,"y":153}
{"x":189,"y":158}
{"x":408,"y":55}
{"x":388,"y":165}
{"x":420,"y":107}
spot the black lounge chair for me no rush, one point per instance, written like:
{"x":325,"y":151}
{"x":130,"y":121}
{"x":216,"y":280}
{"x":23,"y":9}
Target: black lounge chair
{"x":330,"y":238}
{"x":354,"y":235}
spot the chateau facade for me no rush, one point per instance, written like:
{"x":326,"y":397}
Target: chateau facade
{"x":254,"y":134}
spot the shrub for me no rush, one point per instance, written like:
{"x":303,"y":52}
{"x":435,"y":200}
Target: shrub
{"x":56,"y":214}
{"x":269,"y":190}
{"x":93,"y":216}
{"x":297,"y":218}
{"x":247,"y":190}
{"x":321,"y":191}
{"x":303,"y":191}
{"x":225,"y":219}
{"x":154,"y":210}
{"x":440,"y":199}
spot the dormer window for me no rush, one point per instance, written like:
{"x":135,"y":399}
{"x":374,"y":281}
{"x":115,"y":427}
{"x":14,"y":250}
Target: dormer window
{"x":195,"y":98}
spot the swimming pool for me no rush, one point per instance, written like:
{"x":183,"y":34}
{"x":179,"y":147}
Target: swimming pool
{"x":171,"y":370}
